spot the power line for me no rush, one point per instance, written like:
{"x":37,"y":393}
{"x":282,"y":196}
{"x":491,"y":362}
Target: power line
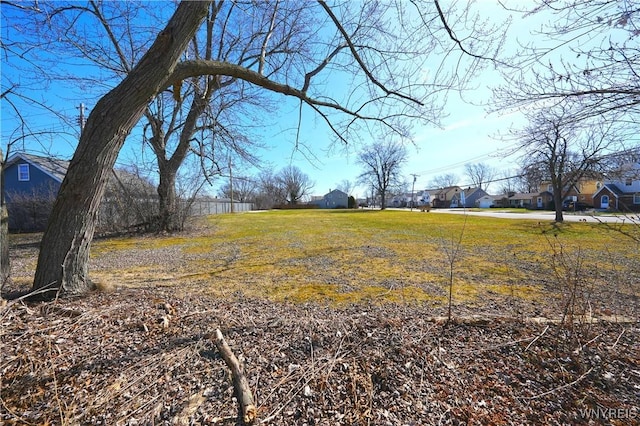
{"x":468,"y":160}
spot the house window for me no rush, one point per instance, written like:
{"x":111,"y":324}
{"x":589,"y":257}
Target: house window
{"x":636,"y":198}
{"x":550,"y":188}
{"x":628,"y":182}
{"x":23,"y":172}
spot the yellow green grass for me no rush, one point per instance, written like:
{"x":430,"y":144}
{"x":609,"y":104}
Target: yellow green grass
{"x":337,"y":257}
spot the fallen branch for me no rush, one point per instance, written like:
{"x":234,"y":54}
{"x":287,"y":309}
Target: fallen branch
{"x":617,"y":340}
{"x":536,"y":339}
{"x":247,"y":412}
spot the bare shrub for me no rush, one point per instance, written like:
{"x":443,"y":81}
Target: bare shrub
{"x":452,"y":248}
{"x":29,"y":211}
{"x":574,"y":282}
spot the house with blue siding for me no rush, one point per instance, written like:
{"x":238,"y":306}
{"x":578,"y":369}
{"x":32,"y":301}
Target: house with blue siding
{"x":31,"y":184}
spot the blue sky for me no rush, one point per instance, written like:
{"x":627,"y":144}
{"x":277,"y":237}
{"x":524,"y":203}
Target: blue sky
{"x":466,"y":136}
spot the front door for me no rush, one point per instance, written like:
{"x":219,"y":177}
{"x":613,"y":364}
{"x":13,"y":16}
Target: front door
{"x":604,"y":202}
{"x":539,"y":202}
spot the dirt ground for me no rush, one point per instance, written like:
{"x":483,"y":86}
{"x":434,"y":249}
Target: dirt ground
{"x":144,"y":356}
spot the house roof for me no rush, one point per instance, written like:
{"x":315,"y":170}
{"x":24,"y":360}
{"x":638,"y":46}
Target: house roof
{"x":437,"y":191}
{"x":57,"y":169}
{"x":53,"y":167}
{"x":613,"y":189}
{"x":336,"y":192}
{"x":474,"y":193}
{"x":523,"y":196}
{"x":470,"y":191}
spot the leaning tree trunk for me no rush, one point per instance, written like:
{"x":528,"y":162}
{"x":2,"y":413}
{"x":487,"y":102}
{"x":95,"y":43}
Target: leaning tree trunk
{"x":64,"y":250}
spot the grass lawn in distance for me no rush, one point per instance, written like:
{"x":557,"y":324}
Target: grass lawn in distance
{"x":353,"y":256}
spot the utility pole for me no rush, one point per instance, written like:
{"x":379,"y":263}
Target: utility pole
{"x":231,"y":184}
{"x":413,"y":187}
{"x":81,"y":118}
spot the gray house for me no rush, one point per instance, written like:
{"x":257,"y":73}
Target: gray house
{"x":472,"y":197}
{"x":335,"y":199}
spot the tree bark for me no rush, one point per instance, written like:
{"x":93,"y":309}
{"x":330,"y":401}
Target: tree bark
{"x":169,"y":210}
{"x":168,"y":201}
{"x":557,"y":200}
{"x":64,"y":251}
{"x":5,"y":267}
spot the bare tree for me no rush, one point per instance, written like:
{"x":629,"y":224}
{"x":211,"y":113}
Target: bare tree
{"x":586,"y":55}
{"x":214,"y":106}
{"x":244,"y":189}
{"x":346,"y":186}
{"x":269,"y":192}
{"x":63,"y":259}
{"x":508,"y":181}
{"x":480,"y":174}
{"x":294,"y":183}
{"x":531,"y":175}
{"x":377,"y":68}
{"x":564,"y":151}
{"x":191,"y":116}
{"x":443,"y":181}
{"x":381,"y":164}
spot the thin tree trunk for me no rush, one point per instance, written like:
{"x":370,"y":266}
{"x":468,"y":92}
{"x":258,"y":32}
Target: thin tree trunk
{"x":557,"y":200}
{"x":169,"y":219}
{"x":5,"y":267}
{"x":64,"y":251}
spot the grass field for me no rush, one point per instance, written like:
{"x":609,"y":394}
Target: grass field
{"x":339,"y":318}
{"x":354,"y":256}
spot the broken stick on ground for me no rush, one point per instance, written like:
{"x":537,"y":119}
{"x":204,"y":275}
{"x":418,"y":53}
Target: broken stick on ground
{"x":247,"y":411}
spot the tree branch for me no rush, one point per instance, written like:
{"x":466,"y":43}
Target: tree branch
{"x":247,"y":411}
{"x":357,"y":57}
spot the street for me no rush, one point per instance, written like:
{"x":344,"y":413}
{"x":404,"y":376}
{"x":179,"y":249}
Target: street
{"x":544,"y":215}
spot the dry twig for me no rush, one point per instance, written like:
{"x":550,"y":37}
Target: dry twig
{"x":247,"y":411}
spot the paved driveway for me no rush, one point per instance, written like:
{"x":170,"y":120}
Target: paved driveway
{"x":543,"y":215}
